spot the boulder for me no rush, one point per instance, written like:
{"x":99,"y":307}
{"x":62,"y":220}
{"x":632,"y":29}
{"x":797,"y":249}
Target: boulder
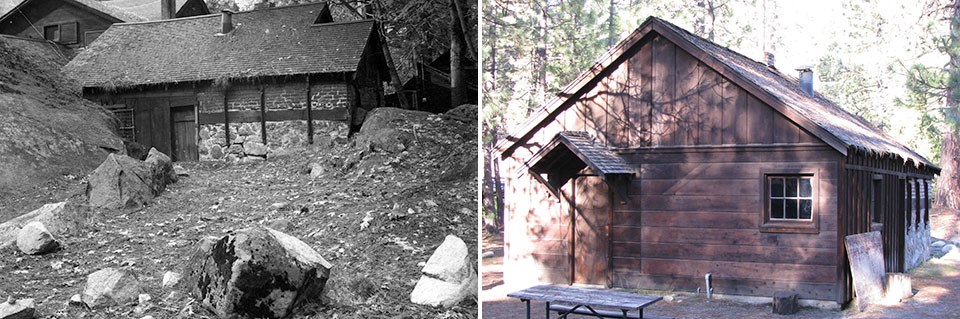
{"x":946,"y":248}
{"x":111,"y":286}
{"x":255,"y":149}
{"x":121,"y":182}
{"x":785,"y":303}
{"x":162,"y":169}
{"x":19,"y":309}
{"x":448,"y":277}
{"x":257,"y":272}
{"x":170,"y":279}
{"x":316,"y":170}
{"x":937,"y":244}
{"x":60,"y":219}
{"x":34,"y":239}
{"x":216,"y":152}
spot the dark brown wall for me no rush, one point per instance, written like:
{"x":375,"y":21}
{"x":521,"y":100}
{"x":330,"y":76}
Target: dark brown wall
{"x":43,"y":13}
{"x":701,"y":144}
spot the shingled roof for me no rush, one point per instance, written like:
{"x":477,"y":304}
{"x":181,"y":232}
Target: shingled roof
{"x":818,"y":114}
{"x":267,"y":42}
{"x":94,"y":6}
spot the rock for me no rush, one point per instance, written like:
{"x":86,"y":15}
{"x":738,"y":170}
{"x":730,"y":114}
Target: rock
{"x":316,"y":170}
{"x":147,"y":317}
{"x":121,"y":182}
{"x":280,"y":205}
{"x":448,"y":277}
{"x":668,"y":298}
{"x":235,"y":149}
{"x":257,"y":272}
{"x":937,"y":244}
{"x":111,"y":286}
{"x":75,"y":300}
{"x":252,"y":159}
{"x":255,"y":149}
{"x":170,"y":279}
{"x":216,"y":152}
{"x":59,"y":218}
{"x":20,"y":309}
{"x":162,"y":168}
{"x":785,"y":303}
{"x":143,"y":299}
{"x":947,"y":248}
{"x":34,"y":239}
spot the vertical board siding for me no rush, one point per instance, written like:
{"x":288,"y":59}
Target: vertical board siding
{"x":664,"y":83}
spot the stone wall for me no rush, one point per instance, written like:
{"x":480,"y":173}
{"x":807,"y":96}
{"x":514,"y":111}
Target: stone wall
{"x":917,"y":233}
{"x":282,"y":136}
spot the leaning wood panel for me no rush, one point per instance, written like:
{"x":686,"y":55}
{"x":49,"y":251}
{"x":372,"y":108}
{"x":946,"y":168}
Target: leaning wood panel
{"x":806,"y":290}
{"x":728,"y":270}
{"x":729,"y":253}
{"x":664,"y":68}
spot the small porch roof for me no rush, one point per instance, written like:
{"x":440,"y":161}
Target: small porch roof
{"x":569,"y":152}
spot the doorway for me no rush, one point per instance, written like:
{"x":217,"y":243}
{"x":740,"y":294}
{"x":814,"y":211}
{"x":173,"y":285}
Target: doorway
{"x":591,"y":220}
{"x":184,"y":130}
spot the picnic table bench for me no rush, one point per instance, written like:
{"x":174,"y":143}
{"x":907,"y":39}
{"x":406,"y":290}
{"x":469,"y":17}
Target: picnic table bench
{"x":575,"y":300}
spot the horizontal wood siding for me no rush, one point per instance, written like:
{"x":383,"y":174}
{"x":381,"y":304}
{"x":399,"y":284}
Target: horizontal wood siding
{"x":694,"y":210}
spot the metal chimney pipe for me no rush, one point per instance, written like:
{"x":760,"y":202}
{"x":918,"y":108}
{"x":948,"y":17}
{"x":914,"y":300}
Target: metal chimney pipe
{"x":806,"y":79}
{"x":168,"y":9}
{"x":226,"y":21}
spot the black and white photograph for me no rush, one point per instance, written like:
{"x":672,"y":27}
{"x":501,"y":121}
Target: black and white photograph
{"x":239,"y":159}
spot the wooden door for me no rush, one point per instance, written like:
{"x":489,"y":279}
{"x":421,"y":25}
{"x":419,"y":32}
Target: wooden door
{"x":591,"y":230}
{"x":184,"y":130}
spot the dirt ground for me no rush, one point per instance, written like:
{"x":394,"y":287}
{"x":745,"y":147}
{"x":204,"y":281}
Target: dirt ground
{"x":377,"y":217}
{"x":936,"y":283}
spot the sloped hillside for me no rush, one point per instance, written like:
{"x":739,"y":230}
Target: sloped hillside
{"x":49,"y":132}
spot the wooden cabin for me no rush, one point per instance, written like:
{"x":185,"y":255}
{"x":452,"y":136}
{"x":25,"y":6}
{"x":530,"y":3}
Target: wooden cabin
{"x":674,"y":157}
{"x":223,"y":86}
{"x":429,"y":89}
{"x":77,"y":23}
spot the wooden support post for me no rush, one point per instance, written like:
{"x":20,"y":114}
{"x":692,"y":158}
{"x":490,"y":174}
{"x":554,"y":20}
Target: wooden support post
{"x":226,"y":116}
{"x":785,"y":303}
{"x":309,"y":113}
{"x":263,"y":118}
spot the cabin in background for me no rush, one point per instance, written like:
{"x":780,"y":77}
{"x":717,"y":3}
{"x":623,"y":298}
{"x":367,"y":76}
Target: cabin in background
{"x":74,"y":24}
{"x":429,"y":89}
{"x":674,"y":157}
{"x":236,"y":86}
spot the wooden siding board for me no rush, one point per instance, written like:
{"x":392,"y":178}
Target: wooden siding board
{"x":710,"y":91}
{"x":760,"y":121}
{"x":640,"y":95}
{"x":726,"y":236}
{"x":727,"y":269}
{"x":727,"y":253}
{"x":806,"y":290}
{"x":784,"y":131}
{"x":618,"y":121}
{"x":664,"y":84}
{"x":686,"y":107}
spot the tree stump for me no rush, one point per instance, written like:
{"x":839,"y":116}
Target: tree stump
{"x":785,"y":303}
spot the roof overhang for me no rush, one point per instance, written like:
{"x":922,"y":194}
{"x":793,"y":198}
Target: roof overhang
{"x":569,"y":153}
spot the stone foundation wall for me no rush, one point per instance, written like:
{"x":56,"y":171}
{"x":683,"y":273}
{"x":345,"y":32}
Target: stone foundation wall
{"x":282,"y":136}
{"x":917,"y":235}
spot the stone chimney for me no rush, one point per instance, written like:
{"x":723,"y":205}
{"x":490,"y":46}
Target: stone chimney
{"x":168,"y":9}
{"x":806,"y":79}
{"x":769,"y":60}
{"x":226,"y":21}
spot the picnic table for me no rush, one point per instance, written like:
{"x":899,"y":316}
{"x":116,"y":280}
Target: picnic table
{"x":567,"y":300}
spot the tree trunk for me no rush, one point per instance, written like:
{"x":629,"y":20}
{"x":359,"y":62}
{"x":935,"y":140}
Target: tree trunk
{"x":540,"y":59}
{"x":391,"y":67}
{"x":465,"y":31}
{"x":948,"y":184}
{"x":612,"y":25}
{"x":457,"y":81}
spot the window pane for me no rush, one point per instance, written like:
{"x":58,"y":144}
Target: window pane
{"x":806,"y":208}
{"x":790,"y":211}
{"x":51,"y":33}
{"x":806,"y":190}
{"x":791,"y":187}
{"x":776,"y":208}
{"x":776,"y":187}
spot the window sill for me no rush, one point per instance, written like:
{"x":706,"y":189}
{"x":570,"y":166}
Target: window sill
{"x":805,"y":227}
